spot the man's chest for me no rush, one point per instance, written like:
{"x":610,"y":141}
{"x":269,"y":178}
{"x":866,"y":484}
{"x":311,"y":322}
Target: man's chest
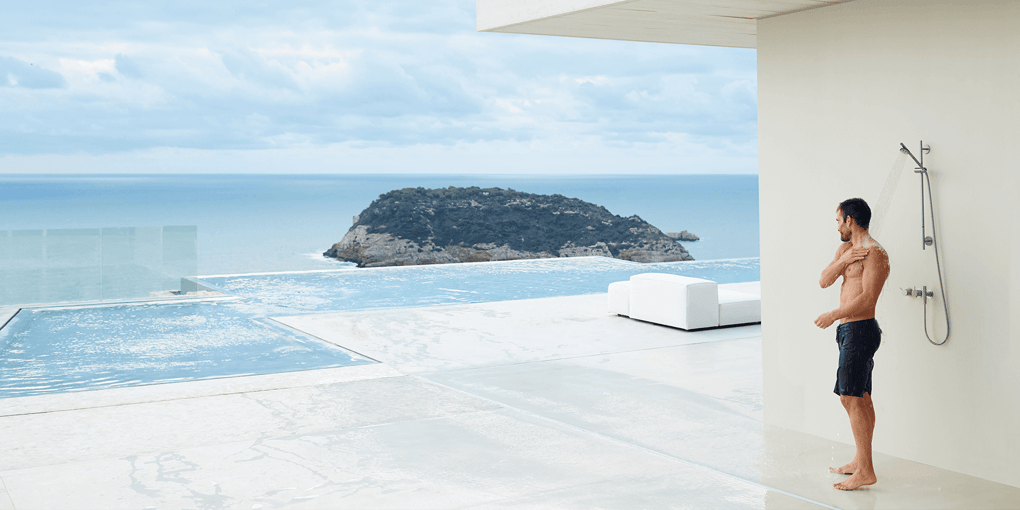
{"x":854,"y":270}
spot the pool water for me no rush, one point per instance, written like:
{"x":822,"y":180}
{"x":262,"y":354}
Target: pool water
{"x":360,"y":289}
{"x":47,"y":350}
{"x":51,"y":349}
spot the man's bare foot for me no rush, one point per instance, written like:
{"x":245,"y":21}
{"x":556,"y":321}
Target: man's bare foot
{"x":857,"y":481}
{"x":845,"y":470}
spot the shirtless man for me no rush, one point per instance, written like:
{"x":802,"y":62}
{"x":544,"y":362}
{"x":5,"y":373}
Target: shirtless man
{"x":864,"y":266}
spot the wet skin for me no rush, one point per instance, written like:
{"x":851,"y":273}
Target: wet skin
{"x":864,"y":266}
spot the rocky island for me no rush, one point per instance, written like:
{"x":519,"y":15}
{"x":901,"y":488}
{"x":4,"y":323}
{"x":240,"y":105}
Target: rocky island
{"x":438,"y":226}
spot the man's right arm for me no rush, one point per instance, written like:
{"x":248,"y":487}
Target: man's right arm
{"x":835,"y":268}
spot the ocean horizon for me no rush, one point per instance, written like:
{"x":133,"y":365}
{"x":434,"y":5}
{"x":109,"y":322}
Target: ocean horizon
{"x":250,"y":223}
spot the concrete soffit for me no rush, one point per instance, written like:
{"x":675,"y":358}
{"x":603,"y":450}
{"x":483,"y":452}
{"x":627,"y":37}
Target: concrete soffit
{"x":731,"y":23}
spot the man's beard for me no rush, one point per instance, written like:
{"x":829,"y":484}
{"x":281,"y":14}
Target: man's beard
{"x":844,"y":238}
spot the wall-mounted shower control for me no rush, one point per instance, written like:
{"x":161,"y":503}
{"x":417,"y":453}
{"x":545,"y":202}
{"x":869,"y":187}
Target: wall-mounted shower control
{"x":922,"y":292}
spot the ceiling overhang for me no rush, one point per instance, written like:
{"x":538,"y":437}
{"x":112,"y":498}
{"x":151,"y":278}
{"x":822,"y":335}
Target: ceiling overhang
{"x":731,"y":23}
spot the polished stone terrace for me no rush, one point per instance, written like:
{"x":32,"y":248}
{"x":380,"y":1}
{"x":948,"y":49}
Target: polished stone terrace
{"x":541,"y":403}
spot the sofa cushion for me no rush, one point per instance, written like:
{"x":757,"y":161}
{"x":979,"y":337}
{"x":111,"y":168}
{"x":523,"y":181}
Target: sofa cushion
{"x":673,"y":300}
{"x":738,"y":307}
{"x":752,"y":288}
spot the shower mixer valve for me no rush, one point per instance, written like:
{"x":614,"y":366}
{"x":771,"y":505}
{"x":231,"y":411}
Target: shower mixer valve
{"x":922,"y":292}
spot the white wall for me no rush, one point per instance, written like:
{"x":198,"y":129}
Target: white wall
{"x":839,"y":88}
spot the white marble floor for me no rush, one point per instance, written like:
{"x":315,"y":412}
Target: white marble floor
{"x":546,"y":403}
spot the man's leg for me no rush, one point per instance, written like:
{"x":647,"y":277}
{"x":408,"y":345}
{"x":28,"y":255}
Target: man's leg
{"x":862,"y":422}
{"x":850,"y":467}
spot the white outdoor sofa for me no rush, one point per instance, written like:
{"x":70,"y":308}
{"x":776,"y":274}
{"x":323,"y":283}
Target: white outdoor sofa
{"x":684,"y":302}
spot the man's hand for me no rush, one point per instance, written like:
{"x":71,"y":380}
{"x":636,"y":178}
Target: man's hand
{"x":853,"y":255}
{"x":825,"y":320}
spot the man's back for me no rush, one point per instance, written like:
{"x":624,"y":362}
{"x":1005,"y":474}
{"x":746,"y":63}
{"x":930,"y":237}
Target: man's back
{"x":864,"y":275}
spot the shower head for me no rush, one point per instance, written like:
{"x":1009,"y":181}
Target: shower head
{"x":920,"y":166}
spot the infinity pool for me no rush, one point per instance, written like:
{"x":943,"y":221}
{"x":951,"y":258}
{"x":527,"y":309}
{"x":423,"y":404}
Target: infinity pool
{"x":360,"y":289}
{"x":52,"y":349}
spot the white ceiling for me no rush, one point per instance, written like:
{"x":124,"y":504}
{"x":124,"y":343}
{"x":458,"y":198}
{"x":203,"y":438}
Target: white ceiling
{"x":704,"y":22}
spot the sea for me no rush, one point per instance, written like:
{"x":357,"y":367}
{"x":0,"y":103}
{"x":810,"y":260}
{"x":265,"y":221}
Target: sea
{"x":269,"y":223}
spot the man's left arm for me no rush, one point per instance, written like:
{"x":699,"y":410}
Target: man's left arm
{"x":876,"y":270}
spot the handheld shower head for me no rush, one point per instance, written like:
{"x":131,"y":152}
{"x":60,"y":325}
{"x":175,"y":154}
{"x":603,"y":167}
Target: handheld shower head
{"x":920,"y":166}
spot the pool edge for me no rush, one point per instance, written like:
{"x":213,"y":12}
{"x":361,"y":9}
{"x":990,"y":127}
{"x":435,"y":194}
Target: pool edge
{"x":162,"y":392}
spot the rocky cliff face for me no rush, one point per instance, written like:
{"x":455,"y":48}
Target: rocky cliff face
{"x":439,"y":226}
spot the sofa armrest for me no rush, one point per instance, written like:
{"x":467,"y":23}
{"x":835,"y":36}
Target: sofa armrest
{"x":619,"y":298}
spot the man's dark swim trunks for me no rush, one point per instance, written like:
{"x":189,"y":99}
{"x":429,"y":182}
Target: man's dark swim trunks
{"x":858,"y":341}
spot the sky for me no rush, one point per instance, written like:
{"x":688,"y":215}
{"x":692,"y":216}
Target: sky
{"x":346,"y":86}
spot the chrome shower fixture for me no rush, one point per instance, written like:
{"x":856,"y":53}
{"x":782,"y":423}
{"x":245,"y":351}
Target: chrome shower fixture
{"x":927,"y":241}
{"x":922,"y":292}
{"x":920,"y":164}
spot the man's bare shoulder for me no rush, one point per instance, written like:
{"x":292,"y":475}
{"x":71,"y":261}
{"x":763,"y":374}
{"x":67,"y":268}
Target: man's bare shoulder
{"x":874,"y":247}
{"x":843,"y":247}
{"x":877,"y":256}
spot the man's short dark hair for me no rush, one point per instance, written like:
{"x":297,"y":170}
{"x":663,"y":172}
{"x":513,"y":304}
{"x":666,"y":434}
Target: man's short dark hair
{"x":857,"y":209}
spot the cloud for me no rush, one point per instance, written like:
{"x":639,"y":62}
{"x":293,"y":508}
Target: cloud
{"x":114,"y":77}
{"x":126,"y":66}
{"x":18,"y":73}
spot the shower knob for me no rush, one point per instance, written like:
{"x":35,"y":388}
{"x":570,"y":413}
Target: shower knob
{"x":922,"y":292}
{"x":928,"y":240}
